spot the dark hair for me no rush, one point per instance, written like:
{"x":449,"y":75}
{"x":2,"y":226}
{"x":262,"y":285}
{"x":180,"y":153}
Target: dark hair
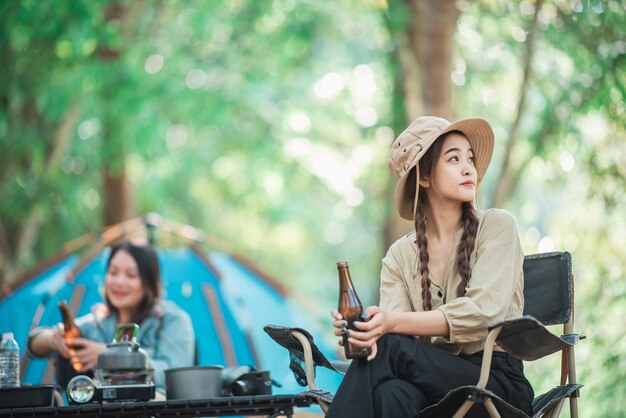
{"x":148,"y":266}
{"x":468,"y":219}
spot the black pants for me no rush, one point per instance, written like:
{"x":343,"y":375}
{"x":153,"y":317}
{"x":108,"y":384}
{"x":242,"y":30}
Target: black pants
{"x":407,"y":375}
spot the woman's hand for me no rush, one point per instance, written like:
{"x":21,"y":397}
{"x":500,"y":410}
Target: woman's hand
{"x":85,"y":353}
{"x":340,"y":325}
{"x":375,"y":324}
{"x":56,"y":340}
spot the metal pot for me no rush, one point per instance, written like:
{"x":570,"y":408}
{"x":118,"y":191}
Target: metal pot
{"x":193,"y":382}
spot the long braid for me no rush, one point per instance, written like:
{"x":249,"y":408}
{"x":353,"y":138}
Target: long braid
{"x":422,"y":248}
{"x":466,"y":246}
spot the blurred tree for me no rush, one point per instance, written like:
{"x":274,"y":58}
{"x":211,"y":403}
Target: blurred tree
{"x":422,"y":34}
{"x":195,"y":110}
{"x":267,"y":124}
{"x":37,"y":119}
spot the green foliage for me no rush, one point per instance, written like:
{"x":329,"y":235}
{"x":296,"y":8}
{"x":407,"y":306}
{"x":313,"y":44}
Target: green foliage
{"x":571,"y":190}
{"x":199,"y":102}
{"x":267,"y":125}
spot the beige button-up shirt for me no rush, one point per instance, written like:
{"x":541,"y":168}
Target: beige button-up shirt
{"x":495,"y":289}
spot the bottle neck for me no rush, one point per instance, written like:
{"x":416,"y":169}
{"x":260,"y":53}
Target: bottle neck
{"x":345,"y":281}
{"x":68,"y":321}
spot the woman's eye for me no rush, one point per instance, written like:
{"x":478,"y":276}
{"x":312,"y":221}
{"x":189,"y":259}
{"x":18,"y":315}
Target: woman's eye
{"x":454,"y":158}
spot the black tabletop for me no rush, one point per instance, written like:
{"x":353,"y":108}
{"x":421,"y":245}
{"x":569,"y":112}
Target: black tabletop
{"x":262,"y":405}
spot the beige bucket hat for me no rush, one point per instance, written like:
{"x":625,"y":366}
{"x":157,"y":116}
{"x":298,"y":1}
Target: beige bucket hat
{"x":411,"y":145}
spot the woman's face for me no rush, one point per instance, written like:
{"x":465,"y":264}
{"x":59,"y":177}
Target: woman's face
{"x":454,"y":176}
{"x":123,"y":284}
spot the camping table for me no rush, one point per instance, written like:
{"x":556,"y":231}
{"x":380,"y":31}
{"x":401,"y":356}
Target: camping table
{"x":265,"y":405}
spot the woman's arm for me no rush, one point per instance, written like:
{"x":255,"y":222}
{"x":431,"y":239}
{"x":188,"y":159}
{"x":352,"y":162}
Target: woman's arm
{"x":379,"y":322}
{"x":43,"y":340}
{"x":495,"y":289}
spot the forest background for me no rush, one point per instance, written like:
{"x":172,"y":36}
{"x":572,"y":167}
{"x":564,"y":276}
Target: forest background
{"x":267,"y":124}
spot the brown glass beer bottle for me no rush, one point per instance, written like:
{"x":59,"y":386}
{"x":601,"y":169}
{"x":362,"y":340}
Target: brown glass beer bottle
{"x":351,"y":309}
{"x":71,"y":330}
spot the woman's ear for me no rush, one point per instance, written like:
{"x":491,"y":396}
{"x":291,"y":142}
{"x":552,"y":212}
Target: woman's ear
{"x":424,"y":182}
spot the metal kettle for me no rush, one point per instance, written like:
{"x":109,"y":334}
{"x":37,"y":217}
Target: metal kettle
{"x":124,"y":353}
{"x":124,"y":361}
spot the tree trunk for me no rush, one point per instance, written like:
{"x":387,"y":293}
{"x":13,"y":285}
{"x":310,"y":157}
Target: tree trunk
{"x":115,"y":190}
{"x":424,"y":56}
{"x":116,"y":196}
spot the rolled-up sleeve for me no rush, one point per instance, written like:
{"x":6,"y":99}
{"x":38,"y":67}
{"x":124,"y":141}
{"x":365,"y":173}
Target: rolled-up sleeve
{"x":495,"y":278}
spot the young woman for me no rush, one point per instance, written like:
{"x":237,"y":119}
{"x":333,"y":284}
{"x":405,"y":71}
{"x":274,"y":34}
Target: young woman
{"x":132,"y":294}
{"x":442,"y":285}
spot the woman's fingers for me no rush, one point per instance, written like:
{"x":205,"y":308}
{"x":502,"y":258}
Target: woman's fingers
{"x":374,"y":349}
{"x":338,"y":321}
{"x":86,"y":352}
{"x":57,"y":342}
{"x":364,"y":339}
{"x":370,"y":312}
{"x":369,"y":330}
{"x":372,"y":322}
{"x":78,"y":342}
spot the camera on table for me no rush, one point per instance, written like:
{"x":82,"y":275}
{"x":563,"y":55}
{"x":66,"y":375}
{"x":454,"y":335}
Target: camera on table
{"x":246,"y":381}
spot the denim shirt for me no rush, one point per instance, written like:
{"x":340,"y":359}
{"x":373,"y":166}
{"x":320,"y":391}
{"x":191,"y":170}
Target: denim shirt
{"x":166,"y":335}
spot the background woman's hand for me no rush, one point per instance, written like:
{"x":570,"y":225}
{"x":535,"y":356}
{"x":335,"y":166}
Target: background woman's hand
{"x":85,"y":353}
{"x":56,"y":340}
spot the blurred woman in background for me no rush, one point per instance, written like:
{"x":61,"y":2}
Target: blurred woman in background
{"x":132,"y":295}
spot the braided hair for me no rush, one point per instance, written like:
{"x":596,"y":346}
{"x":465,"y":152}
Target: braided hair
{"x":469,"y":222}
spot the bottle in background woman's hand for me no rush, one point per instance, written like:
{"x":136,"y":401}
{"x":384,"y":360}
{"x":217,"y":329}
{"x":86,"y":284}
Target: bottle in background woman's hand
{"x":71,"y":332}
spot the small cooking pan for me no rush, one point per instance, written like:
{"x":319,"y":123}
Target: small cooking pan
{"x":200,"y":382}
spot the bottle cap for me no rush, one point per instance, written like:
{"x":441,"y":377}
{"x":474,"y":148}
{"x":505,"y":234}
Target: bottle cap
{"x":7,"y":336}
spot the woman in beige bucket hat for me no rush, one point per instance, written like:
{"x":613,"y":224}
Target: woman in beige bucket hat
{"x":456,"y":274}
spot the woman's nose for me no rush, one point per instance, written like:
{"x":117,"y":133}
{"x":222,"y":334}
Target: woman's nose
{"x":468,"y":168}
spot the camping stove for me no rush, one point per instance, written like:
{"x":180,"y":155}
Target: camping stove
{"x":122,"y":373}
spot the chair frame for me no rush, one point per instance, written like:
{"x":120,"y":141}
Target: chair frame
{"x":479,"y":393}
{"x":568,"y":371}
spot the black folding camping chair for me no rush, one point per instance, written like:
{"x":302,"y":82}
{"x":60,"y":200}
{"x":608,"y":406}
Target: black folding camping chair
{"x":549,"y":300}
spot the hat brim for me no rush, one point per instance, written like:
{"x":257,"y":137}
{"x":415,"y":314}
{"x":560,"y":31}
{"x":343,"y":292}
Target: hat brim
{"x":478,"y":133}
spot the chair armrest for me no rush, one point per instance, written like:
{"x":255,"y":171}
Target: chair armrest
{"x":308,"y":359}
{"x":283,"y":336}
{"x":528,"y":339}
{"x":485,"y":366}
{"x":304,"y":356}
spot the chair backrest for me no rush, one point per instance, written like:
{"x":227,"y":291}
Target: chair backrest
{"x":548,"y":287}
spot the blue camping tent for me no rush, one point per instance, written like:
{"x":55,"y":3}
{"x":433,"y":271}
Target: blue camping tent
{"x":228,"y":299}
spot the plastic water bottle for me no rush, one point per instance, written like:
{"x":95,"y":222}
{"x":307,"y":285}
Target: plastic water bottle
{"x":9,"y":361}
